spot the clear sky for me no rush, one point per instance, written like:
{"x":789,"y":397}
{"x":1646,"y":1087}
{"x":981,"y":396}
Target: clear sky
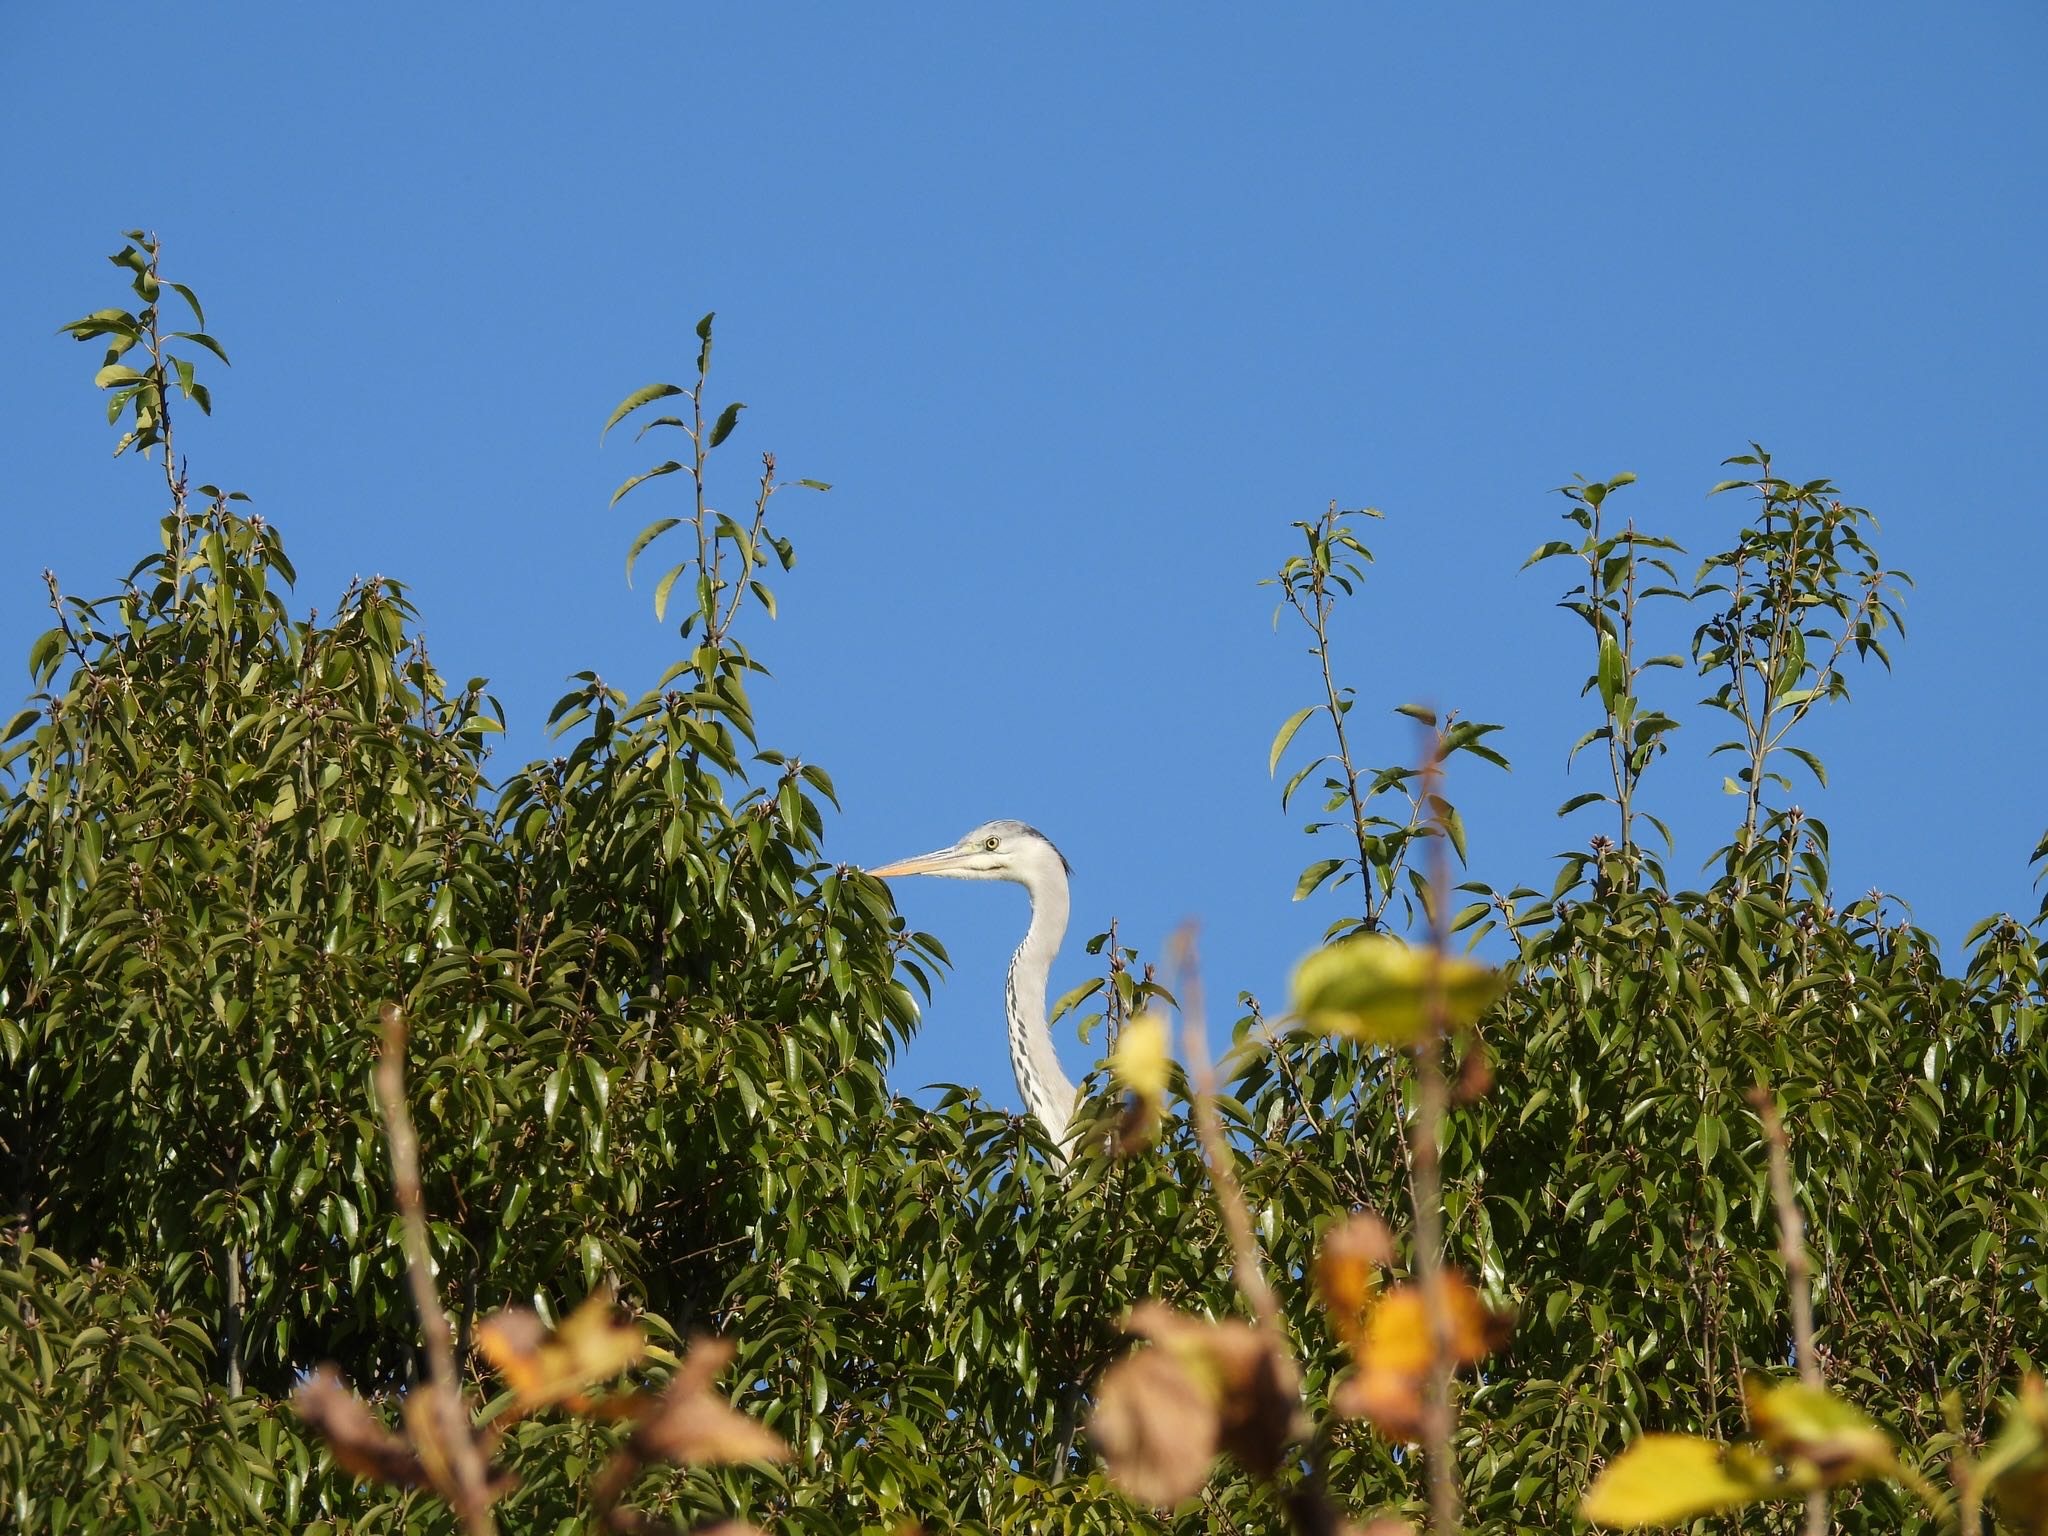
{"x":1079,"y":307}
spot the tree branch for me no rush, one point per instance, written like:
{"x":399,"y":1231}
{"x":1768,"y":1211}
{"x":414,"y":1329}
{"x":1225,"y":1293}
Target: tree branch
{"x":445,"y":1409}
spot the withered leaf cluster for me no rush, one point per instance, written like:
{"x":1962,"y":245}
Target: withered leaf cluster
{"x":689,"y":1422}
{"x":1197,"y":1389}
{"x":1389,"y":1333}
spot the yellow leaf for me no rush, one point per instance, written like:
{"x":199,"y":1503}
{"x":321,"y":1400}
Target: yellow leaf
{"x":1346,"y":1273}
{"x":2021,"y":1490}
{"x":1393,"y":1349}
{"x":1382,"y":991}
{"x":1397,"y":1333}
{"x":1809,"y":1424}
{"x":594,"y":1344}
{"x":1672,"y":1480}
{"x":1142,"y":1061}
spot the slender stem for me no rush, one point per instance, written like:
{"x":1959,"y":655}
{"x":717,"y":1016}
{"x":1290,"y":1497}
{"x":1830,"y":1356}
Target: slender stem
{"x":1626,"y":768}
{"x":707,"y":599}
{"x":749,"y":552}
{"x":1425,"y":1182}
{"x":174,"y":479}
{"x":465,"y":1460}
{"x":234,"y":1328}
{"x":1308,"y":1506}
{"x":1247,"y":1271}
{"x":1798,"y":1271}
{"x":1597,"y":597}
{"x":1318,"y":622}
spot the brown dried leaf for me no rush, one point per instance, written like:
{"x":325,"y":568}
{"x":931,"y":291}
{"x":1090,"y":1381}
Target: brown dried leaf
{"x":1156,"y":1427}
{"x":1391,"y":1401}
{"x":1261,"y":1397}
{"x":1244,"y":1392}
{"x":2021,"y":1498}
{"x":636,"y":1522}
{"x":691,"y":1423}
{"x":358,"y":1441}
{"x":594,"y":1343}
{"x":1475,"y":1075}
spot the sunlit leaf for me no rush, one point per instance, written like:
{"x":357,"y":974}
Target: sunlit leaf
{"x":1673,"y":1480}
{"x":1378,"y":989}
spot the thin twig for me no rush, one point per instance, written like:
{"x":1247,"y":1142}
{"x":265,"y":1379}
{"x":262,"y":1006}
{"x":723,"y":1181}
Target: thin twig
{"x":1247,"y":1271}
{"x":1308,"y":1505}
{"x":175,"y":477}
{"x":465,"y":1460}
{"x":1798,"y":1270}
{"x":1425,"y":1175}
{"x":1316,"y":615}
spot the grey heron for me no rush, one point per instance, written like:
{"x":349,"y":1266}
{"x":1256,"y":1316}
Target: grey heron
{"x":1022,"y":855}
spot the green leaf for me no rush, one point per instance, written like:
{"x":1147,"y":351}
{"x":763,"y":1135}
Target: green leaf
{"x":44,"y":654}
{"x":1453,"y":824}
{"x":1812,"y":762}
{"x":1613,"y":674}
{"x":115,"y":374}
{"x":634,"y":401}
{"x":727,"y":420}
{"x":648,"y":535}
{"x":191,"y":299}
{"x":1314,"y":876}
{"x":1286,"y":734}
{"x":200,"y":338}
{"x":668,"y":468}
{"x":1077,"y":996}
{"x":661,"y":590}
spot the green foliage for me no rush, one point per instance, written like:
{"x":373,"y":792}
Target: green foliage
{"x":145,"y":393}
{"x":1800,"y":587}
{"x":651,"y":1025}
{"x":1620,"y":580}
{"x":108,"y":1421}
{"x":1312,"y":584}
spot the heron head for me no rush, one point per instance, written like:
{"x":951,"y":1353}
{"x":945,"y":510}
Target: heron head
{"x":995,"y":850}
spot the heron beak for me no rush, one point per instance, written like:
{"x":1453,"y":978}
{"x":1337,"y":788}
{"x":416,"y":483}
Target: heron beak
{"x":940,"y":861}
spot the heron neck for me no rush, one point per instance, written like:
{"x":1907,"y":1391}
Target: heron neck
{"x":1047,"y":1092}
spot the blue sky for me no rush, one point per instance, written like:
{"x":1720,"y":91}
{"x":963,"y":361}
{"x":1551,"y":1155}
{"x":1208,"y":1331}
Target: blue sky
{"x":1079,"y":307}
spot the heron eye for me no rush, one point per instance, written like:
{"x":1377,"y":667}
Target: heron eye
{"x":992,"y":843}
